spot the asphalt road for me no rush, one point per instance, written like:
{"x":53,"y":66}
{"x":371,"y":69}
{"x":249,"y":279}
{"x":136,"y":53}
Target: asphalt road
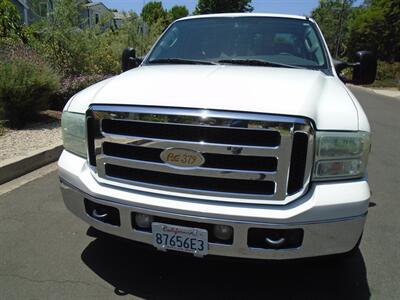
{"x":47,"y":253}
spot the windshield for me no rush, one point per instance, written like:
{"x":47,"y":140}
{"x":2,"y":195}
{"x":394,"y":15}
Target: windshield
{"x":280,"y":41}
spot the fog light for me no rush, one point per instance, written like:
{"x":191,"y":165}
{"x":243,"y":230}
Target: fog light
{"x":143,"y":220}
{"x":223,"y":232}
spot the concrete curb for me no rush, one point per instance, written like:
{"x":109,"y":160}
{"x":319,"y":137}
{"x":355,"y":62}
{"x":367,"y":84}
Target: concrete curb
{"x":391,"y":93}
{"x":388,"y":93}
{"x":13,"y":168}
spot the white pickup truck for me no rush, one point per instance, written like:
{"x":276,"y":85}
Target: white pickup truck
{"x":234,"y":136}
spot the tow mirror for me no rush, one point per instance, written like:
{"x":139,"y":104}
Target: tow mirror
{"x":129,"y":59}
{"x":364,"y":69}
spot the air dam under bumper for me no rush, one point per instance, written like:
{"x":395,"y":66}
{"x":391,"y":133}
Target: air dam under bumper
{"x":332,"y":216}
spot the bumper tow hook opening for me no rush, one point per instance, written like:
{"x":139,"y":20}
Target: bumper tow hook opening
{"x":275,"y":243}
{"x":98,"y":215}
{"x":103,"y":213}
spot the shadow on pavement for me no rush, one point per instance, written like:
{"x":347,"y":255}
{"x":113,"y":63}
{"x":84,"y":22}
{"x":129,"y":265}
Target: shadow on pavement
{"x":141,"y":271}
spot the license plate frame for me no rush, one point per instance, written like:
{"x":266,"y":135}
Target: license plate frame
{"x":180,"y":238}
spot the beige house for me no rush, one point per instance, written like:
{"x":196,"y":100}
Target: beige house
{"x":30,"y":10}
{"x":95,"y":13}
{"x":91,"y":13}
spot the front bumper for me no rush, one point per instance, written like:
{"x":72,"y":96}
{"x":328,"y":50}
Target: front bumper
{"x":332,"y":216}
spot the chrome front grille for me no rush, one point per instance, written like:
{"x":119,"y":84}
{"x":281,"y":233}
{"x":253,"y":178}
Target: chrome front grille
{"x":249,"y":157}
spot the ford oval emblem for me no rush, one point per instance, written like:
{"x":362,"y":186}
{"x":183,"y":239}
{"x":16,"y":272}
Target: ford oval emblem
{"x":182,"y":158}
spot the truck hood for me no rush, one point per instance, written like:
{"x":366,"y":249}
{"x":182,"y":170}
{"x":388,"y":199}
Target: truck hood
{"x":297,"y":92}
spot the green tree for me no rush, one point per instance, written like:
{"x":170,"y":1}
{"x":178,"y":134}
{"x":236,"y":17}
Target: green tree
{"x":10,"y":23}
{"x":376,"y":26}
{"x":71,"y":47}
{"x":177,"y":12}
{"x":138,"y":34}
{"x":222,"y":6}
{"x":153,"y":11}
{"x":333,"y":17}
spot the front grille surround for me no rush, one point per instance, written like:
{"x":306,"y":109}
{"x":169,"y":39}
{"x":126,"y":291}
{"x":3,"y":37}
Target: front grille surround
{"x":276,"y":149}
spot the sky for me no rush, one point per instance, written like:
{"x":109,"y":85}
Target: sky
{"x":297,"y":7}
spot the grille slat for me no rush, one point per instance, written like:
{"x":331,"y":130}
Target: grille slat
{"x":217,"y":161}
{"x":255,"y":158}
{"x":241,"y":150}
{"x":191,"y":182}
{"x":298,"y":163}
{"x":192,"y":133}
{"x":208,"y":172}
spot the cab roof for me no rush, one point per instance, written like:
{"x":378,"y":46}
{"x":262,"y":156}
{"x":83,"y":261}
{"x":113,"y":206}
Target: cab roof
{"x":231,"y":15}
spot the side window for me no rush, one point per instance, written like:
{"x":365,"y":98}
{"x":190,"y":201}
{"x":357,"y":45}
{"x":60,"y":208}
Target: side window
{"x":43,"y":9}
{"x":313,"y":46}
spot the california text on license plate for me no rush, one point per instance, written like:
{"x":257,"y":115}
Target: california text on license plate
{"x":186,"y":239}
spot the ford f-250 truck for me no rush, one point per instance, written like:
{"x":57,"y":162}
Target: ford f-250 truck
{"x":234,"y":136}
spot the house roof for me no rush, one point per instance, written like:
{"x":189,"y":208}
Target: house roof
{"x":23,"y":3}
{"x":91,"y":4}
{"x":118,"y":15}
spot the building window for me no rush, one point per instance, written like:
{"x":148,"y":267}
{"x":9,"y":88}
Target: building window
{"x":96,"y":18}
{"x":43,"y":9}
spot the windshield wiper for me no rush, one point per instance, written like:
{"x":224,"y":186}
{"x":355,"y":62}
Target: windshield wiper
{"x":256,"y":62}
{"x":180,"y":61}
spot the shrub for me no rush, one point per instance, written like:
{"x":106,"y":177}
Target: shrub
{"x":388,"y":74}
{"x":11,"y":49}
{"x":80,"y":51}
{"x":25,"y":88}
{"x":73,"y":49}
{"x":72,"y":85}
{"x":2,"y":130}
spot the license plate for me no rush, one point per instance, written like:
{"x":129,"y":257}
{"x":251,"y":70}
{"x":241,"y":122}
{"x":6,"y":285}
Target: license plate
{"x":179,"y":238}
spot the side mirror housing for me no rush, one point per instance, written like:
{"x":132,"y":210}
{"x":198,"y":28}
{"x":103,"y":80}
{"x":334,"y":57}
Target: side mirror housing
{"x":339,"y":67}
{"x":364,"y":69}
{"x":129,"y":59}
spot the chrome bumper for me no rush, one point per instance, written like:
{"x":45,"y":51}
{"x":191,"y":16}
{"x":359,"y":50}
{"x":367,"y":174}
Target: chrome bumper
{"x":320,"y":237}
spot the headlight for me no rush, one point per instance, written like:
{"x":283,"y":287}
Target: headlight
{"x":341,"y":155}
{"x":73,"y":129}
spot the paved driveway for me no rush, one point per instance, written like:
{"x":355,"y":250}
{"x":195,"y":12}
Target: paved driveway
{"x":46,"y":253}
